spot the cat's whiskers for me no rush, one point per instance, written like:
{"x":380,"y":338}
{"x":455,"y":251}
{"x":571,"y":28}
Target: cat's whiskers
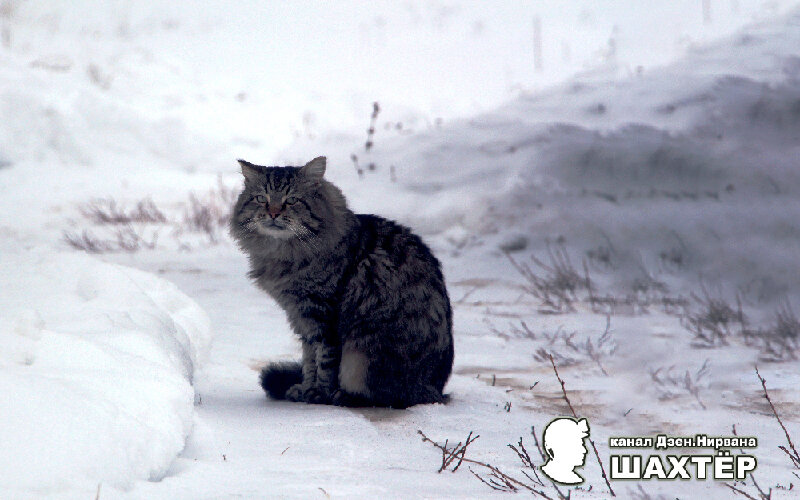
{"x":308,"y":244}
{"x":305,"y":244}
{"x":250,"y":225}
{"x":302,"y":234}
{"x":311,"y":238}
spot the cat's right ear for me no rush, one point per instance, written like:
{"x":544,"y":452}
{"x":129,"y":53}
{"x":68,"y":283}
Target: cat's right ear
{"x":250,"y":171}
{"x":315,"y":169}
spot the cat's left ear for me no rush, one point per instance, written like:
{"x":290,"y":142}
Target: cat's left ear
{"x":315,"y":169}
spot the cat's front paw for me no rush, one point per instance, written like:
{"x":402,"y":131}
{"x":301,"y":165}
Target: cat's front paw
{"x":306,"y":394}
{"x":296,"y":393}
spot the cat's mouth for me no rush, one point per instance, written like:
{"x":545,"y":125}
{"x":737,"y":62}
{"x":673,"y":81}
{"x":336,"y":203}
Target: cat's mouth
{"x":273,"y":227}
{"x":272,"y":224}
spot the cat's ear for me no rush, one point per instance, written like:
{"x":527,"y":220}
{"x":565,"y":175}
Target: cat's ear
{"x":250,"y":171}
{"x":315,"y":169}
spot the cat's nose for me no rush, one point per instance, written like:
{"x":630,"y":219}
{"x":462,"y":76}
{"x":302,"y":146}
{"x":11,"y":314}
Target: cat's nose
{"x":274,"y":211}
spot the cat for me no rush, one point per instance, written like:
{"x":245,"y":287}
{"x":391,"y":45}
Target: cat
{"x":365,"y":295}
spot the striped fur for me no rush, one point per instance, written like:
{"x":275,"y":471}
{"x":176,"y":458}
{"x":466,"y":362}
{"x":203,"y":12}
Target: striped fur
{"x":364,"y":294}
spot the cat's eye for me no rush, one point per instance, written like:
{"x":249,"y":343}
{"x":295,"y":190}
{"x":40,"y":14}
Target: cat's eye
{"x":261,"y":198}
{"x":291,"y":200}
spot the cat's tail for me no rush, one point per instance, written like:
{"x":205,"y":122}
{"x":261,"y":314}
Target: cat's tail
{"x":277,"y":378}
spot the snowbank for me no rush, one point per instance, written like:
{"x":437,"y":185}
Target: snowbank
{"x":676,"y":172}
{"x":96,"y":368}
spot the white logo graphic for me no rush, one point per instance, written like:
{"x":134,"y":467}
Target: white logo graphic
{"x":563,"y":443}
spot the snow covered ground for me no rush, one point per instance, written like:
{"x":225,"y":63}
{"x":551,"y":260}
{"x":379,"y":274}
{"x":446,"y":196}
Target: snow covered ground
{"x":97,"y":365}
{"x":650,"y":165}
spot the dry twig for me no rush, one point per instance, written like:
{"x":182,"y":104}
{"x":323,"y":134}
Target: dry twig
{"x":495,"y":478}
{"x":591,"y":441}
{"x":793,"y":455}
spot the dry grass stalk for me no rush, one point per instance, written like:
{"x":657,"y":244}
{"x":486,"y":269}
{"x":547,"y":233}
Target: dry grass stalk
{"x":555,"y":283}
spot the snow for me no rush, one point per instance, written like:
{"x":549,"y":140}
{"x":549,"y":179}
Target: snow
{"x":97,"y":364}
{"x":647,"y":167}
{"x":657,"y":143}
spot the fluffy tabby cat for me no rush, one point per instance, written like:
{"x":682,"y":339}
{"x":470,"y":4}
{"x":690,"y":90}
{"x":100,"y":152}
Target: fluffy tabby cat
{"x":364,"y":294}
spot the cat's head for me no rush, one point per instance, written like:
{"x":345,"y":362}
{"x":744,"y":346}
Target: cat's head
{"x":287,"y":202}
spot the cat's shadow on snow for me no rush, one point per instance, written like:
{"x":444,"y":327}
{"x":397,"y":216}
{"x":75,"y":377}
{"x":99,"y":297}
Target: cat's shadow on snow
{"x":380,"y":415}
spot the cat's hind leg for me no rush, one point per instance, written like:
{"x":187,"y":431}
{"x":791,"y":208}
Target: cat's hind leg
{"x":382,"y":380}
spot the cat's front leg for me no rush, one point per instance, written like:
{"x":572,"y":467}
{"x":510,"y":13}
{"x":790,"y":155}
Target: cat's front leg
{"x":320,"y":374}
{"x":303,"y":391}
{"x":329,"y":357}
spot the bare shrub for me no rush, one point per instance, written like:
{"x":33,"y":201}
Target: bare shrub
{"x":87,"y":242}
{"x":780,"y":340}
{"x":210,"y":212}
{"x":671,"y":382}
{"x":202,"y":217}
{"x":493,"y":477}
{"x":124,"y":239}
{"x":453,"y":457}
{"x":574,"y":414}
{"x":207,"y":213}
{"x":129,"y":240}
{"x":787,"y":325}
{"x":559,"y":285}
{"x":569,"y":349}
{"x":674,"y":305}
{"x":788,"y":449}
{"x":712,"y":320}
{"x":107,"y":211}
{"x":543,"y":354}
{"x":715,"y":322}
{"x":555,"y":283}
{"x":516,"y":331}
{"x":791,"y":451}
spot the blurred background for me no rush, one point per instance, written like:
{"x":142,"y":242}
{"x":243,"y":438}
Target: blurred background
{"x":638,"y":132}
{"x":257,"y":76}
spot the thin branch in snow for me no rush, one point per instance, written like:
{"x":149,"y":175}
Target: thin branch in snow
{"x":591,"y":441}
{"x":494,"y":478}
{"x":793,"y":455}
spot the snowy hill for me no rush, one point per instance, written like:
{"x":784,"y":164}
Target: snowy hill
{"x":660,"y":172}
